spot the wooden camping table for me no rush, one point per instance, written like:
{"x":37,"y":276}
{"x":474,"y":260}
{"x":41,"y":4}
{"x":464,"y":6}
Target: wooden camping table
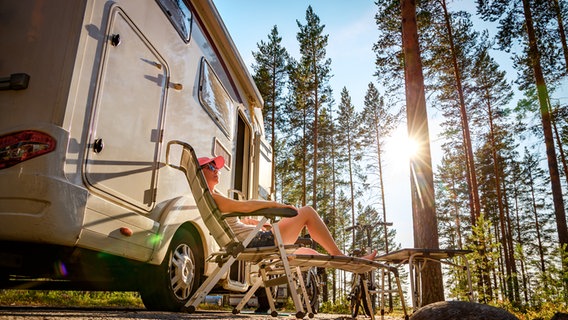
{"x":417,"y":258}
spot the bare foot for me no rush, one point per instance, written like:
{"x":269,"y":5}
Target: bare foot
{"x":370,"y":256}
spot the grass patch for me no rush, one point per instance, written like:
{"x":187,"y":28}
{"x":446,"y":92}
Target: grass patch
{"x":70,"y":298}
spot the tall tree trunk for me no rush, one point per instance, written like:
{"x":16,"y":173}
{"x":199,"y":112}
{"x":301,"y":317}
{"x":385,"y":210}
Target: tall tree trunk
{"x":457,"y":218}
{"x":384,"y":207}
{"x":559,"y":143}
{"x":470,"y":165}
{"x":422,"y":182}
{"x":497,"y":173}
{"x":471,"y":176}
{"x":352,"y":188}
{"x":511,"y":247}
{"x":556,"y":7}
{"x":500,"y":263}
{"x":546,"y":127}
{"x":520,"y":242}
{"x":537,"y":223}
{"x":273,"y":138}
{"x":333,"y":198}
{"x":316,"y":128}
{"x":304,"y":162}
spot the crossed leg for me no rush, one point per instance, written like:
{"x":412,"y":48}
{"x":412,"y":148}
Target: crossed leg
{"x":290,"y":229}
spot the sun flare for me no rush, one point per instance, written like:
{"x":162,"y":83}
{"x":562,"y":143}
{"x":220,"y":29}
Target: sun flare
{"x":402,"y":148}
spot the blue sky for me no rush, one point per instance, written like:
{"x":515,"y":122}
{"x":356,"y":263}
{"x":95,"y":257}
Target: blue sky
{"x":352,"y":31}
{"x":349,"y":24}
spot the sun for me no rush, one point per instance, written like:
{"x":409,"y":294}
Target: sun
{"x":411,"y":146}
{"x":401,"y":148}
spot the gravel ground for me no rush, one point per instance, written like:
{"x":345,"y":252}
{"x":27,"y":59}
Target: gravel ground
{"x":43,"y":313}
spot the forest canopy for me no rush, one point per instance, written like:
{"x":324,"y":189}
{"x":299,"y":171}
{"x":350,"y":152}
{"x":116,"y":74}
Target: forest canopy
{"x":500,"y":186}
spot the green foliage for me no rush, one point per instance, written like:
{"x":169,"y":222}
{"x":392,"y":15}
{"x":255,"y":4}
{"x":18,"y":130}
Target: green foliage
{"x":340,"y":307}
{"x":484,"y":257}
{"x":70,"y":298}
{"x":323,"y":150}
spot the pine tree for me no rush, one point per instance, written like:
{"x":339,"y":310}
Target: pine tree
{"x":298,"y":131}
{"x":492,"y":94}
{"x":313,"y":60}
{"x":348,"y":146}
{"x":378,"y":123}
{"x":424,"y":211}
{"x":454,"y":46}
{"x":531,"y":66}
{"x":270,"y":71}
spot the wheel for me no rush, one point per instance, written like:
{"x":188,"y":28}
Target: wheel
{"x":355,"y":298}
{"x":311,"y":281}
{"x":169,"y":286}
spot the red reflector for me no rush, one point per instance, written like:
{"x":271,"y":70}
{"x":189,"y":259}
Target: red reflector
{"x":20,"y":146}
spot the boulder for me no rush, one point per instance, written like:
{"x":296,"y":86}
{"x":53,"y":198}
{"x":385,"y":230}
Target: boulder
{"x":560,"y":316}
{"x":461,"y":310}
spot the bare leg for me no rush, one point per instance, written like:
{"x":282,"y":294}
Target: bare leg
{"x":290,"y":229}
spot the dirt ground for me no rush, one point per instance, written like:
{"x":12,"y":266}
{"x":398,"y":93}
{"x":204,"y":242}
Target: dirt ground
{"x":43,"y":313}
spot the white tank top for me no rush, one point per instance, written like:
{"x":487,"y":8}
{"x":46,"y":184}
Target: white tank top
{"x":240,"y":229}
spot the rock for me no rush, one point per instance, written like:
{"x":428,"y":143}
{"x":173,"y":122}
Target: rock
{"x":461,"y":310}
{"x":560,"y":316}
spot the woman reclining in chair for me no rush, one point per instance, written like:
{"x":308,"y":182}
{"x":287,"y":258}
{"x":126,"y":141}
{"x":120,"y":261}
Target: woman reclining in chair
{"x":290,"y":228}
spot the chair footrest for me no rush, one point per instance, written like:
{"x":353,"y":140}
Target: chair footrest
{"x":276,"y":281}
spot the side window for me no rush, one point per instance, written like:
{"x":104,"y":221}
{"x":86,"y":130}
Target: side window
{"x":179,"y":15}
{"x":215,"y":99}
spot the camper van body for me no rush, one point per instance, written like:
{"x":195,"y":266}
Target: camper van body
{"x":91,"y":93}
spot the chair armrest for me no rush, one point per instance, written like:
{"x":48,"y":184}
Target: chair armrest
{"x":268,"y":213}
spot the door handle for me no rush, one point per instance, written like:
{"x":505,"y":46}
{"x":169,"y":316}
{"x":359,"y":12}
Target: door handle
{"x":16,"y":81}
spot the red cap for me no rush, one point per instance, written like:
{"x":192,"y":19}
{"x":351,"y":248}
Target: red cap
{"x":218,"y":162}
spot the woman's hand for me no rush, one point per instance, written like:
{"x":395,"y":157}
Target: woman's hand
{"x":282,"y":205}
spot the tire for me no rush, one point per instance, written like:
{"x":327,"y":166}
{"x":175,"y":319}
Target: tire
{"x":312,"y":288}
{"x":355,"y":299}
{"x":169,"y":286}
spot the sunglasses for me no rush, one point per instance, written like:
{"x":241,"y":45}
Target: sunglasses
{"x":210,"y":167}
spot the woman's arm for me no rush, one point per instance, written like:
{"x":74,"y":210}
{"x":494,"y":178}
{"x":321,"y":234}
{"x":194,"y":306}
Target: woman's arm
{"x":229,"y":205}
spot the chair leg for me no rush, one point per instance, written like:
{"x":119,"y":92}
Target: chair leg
{"x":368,"y":298}
{"x":273,"y":311}
{"x":207,"y":285}
{"x":400,"y":293}
{"x":248,"y":295}
{"x":304,"y":292}
{"x":297,"y":303}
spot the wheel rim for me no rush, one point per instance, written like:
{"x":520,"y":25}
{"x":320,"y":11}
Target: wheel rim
{"x":311,"y":288}
{"x":182,"y":271}
{"x":355,"y":298}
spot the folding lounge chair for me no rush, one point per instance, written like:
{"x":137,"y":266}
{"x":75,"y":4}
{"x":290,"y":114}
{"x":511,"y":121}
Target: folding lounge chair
{"x":231,"y":249}
{"x":277,"y":264}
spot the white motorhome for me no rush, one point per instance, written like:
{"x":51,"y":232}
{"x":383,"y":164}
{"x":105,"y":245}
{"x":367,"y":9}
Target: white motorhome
{"x":91,"y":91}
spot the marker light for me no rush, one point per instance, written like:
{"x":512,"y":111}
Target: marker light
{"x":20,"y":146}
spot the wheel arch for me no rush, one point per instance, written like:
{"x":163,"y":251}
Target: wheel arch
{"x":180,"y":213}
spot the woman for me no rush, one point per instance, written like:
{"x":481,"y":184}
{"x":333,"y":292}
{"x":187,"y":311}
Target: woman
{"x":290,"y":228}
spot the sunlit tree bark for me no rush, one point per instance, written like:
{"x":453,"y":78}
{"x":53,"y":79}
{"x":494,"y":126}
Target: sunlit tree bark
{"x":422,"y":184}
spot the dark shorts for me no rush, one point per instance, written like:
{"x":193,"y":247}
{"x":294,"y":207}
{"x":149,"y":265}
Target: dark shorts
{"x":262,"y":239}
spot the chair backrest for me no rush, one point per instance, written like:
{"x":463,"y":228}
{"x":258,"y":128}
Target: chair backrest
{"x":208,"y":209}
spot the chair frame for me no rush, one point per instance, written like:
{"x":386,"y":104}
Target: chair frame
{"x":277,"y":261}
